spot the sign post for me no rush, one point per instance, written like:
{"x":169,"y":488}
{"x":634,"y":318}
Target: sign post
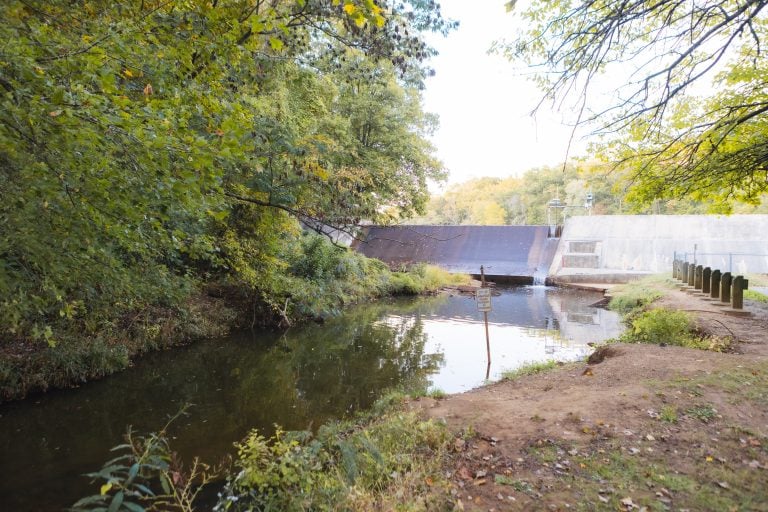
{"x":483,"y":296}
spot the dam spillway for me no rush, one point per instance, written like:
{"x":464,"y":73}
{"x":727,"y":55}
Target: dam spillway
{"x":520,"y":254}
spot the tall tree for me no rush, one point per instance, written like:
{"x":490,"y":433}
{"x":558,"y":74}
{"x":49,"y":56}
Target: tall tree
{"x":143,"y":140}
{"x":688,"y":114}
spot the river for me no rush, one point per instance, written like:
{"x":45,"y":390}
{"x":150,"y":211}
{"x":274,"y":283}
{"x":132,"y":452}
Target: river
{"x":297,"y":379}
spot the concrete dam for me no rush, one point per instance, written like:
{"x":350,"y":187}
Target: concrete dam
{"x":598,"y":248}
{"x":520,"y":254}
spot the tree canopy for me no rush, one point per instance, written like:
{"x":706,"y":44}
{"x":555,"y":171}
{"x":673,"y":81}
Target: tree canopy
{"x":686,"y":117}
{"x":147,"y":144}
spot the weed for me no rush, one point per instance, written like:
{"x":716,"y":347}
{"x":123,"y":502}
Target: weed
{"x":529,"y":368}
{"x":703,"y":413}
{"x":668,"y":413}
{"x":518,"y":485}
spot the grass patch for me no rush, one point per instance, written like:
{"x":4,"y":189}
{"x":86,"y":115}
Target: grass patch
{"x":704,"y":413}
{"x":756,"y":296}
{"x":611,"y":474}
{"x":638,"y":294}
{"x":531,"y":368}
{"x":747,"y":383}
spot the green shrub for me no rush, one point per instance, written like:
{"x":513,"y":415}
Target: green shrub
{"x":661,"y":326}
{"x":343,"y":467}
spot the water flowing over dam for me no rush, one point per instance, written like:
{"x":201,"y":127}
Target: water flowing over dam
{"x":521,"y":254}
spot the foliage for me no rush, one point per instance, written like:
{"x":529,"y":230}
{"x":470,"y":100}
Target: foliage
{"x":148,"y":476}
{"x":523,"y":200}
{"x":149,"y":149}
{"x":660,"y":325}
{"x":686,"y":117}
{"x":363,"y":465}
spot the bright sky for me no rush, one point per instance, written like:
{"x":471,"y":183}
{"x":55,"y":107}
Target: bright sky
{"x":484,"y":102}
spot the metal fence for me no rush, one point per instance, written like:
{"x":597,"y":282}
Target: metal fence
{"x":739,"y":262}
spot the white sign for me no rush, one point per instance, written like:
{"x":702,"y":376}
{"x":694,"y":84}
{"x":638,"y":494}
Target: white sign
{"x":483,"y":296}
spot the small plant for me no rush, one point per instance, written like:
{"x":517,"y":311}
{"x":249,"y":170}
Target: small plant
{"x":518,"y":485}
{"x":148,"y":476}
{"x":703,"y":413}
{"x":530,"y":368}
{"x":668,"y":414}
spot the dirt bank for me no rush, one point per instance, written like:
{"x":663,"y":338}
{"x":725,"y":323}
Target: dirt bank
{"x":650,"y":427}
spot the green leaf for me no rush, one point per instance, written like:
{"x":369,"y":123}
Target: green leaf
{"x":276,"y":43}
{"x":117,"y":500}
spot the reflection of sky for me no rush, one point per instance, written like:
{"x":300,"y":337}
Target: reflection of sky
{"x":523,"y":327}
{"x":464,"y":349}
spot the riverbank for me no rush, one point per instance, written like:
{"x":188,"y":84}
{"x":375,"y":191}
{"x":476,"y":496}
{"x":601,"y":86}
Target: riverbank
{"x":638,"y":425}
{"x":654,"y":426}
{"x":28,"y":366}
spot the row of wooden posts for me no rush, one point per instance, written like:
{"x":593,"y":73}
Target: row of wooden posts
{"x":717,"y":286}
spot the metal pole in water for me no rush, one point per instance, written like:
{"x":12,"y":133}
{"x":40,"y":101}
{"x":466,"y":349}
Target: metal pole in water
{"x":485,"y":318}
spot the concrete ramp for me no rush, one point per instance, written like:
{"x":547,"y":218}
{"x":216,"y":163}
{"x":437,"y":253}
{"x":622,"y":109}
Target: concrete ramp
{"x":616,"y":248}
{"x":517,"y":253}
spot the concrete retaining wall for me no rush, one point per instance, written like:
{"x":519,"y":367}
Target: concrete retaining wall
{"x":632,"y":245}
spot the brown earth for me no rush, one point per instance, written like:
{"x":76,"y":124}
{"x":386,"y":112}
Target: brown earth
{"x":579,"y":437}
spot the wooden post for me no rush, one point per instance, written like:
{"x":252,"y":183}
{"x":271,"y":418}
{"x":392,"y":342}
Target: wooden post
{"x":706,"y":280}
{"x":684,"y":273}
{"x":691,"y":274}
{"x":737,"y":296}
{"x":487,"y":337}
{"x":697,"y":275}
{"x":714,"y":291}
{"x":725,"y":288}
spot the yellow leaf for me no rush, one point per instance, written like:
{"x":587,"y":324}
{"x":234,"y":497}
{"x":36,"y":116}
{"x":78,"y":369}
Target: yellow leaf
{"x":128,"y":73}
{"x":105,"y":488}
{"x":709,"y":458}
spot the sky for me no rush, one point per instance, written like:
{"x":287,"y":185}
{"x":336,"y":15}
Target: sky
{"x":484,"y":101}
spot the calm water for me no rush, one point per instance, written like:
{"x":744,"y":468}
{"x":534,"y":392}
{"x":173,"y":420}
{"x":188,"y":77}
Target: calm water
{"x":297,"y":379}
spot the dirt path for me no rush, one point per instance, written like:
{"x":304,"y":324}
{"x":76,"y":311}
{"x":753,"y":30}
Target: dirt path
{"x":579,"y":437}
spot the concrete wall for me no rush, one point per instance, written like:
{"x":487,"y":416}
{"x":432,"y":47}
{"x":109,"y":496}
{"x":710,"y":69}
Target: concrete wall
{"x":505,"y":251}
{"x":626,"y":245}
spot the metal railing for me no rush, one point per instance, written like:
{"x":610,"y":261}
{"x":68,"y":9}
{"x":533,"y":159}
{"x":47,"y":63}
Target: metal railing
{"x":696,"y":257}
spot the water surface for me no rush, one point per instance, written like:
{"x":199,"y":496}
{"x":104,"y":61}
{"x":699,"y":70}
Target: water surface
{"x":297,"y":379}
